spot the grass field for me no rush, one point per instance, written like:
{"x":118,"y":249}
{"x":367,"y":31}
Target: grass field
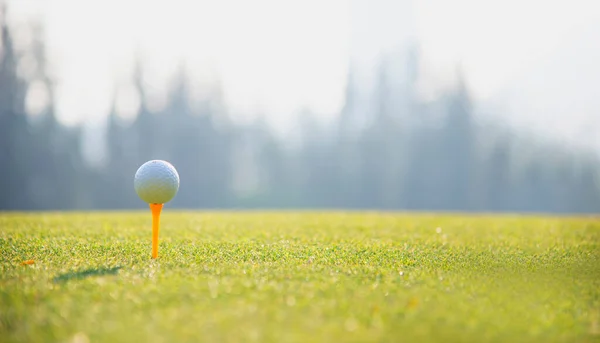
{"x":299,"y":277}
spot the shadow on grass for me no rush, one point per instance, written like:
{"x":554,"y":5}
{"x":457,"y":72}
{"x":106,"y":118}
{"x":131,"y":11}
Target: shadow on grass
{"x":86,"y":273}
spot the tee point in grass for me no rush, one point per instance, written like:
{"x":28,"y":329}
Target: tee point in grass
{"x":156,"y":182}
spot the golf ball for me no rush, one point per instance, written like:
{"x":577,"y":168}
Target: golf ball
{"x":156,"y":182}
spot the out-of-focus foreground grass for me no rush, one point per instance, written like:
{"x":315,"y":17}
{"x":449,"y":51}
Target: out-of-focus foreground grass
{"x":298,"y":277}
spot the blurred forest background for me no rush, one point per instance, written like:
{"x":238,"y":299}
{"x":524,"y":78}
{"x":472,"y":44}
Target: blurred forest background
{"x":401,"y":154}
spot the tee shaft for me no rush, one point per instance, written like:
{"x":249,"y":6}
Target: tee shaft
{"x":156,"y":209}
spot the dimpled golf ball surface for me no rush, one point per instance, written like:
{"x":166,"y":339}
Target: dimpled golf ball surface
{"x":156,"y":182}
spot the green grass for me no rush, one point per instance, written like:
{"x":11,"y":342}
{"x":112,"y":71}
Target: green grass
{"x":299,"y":277}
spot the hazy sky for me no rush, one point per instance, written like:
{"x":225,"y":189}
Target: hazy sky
{"x":275,"y":56}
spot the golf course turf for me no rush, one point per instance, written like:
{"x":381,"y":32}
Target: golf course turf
{"x":298,"y":277}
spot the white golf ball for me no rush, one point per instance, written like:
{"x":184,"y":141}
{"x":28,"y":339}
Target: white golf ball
{"x":156,"y":182}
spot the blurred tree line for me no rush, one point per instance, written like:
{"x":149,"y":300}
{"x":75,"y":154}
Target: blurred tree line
{"x":402,"y":154}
